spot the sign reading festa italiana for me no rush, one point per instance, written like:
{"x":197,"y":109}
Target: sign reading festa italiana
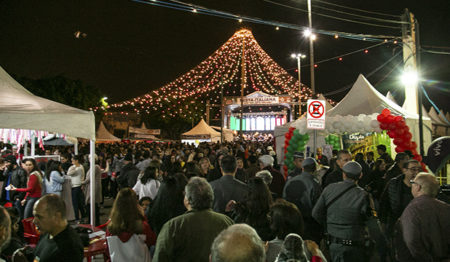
{"x":316,"y":114}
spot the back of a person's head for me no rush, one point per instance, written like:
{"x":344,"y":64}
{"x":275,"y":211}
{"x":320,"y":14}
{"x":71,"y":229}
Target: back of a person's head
{"x":265,"y":175}
{"x":401,"y":157}
{"x":259,"y":198}
{"x":238,"y":243}
{"x":285,"y":219}
{"x":126,"y":216}
{"x":199,"y":193}
{"x":228,"y":164}
{"x":292,"y":250}
{"x":54,"y":204}
{"x":429,"y":184}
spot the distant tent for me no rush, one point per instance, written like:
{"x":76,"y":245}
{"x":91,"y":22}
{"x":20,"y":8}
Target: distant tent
{"x":391,"y":97}
{"x":143,"y":126}
{"x":228,"y":134}
{"x":328,"y":106}
{"x":104,"y":136}
{"x":443,"y":118}
{"x":202,"y":132}
{"x":435,"y":117}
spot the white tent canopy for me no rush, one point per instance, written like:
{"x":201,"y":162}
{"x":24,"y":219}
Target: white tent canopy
{"x":391,"y":97}
{"x":328,"y":106}
{"x":20,"y":109}
{"x":202,"y":131}
{"x":363,"y":98}
{"x":103,"y":135}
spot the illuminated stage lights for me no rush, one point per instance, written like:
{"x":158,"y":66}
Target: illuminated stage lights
{"x":222,"y":69}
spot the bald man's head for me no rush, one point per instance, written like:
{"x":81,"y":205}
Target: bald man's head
{"x":238,"y":243}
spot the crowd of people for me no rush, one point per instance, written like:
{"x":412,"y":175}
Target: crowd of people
{"x":225,"y":202}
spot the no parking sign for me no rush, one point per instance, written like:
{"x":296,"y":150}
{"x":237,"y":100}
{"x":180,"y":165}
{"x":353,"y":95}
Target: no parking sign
{"x":316,"y":114}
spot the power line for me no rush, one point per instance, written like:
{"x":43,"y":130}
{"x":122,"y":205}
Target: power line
{"x":179,"y":5}
{"x":346,"y":87}
{"x":357,"y":9}
{"x":332,"y":17}
{"x":435,"y":52}
{"x":361,"y":16}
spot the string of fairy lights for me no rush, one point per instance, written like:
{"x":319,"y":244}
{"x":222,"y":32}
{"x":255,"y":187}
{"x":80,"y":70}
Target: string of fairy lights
{"x":186,"y":95}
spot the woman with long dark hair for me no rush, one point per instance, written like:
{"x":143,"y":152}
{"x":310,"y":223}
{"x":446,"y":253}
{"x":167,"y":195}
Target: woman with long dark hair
{"x":54,"y":178}
{"x":34,"y":186}
{"x":168,"y":202}
{"x":255,"y":209}
{"x":148,"y":185}
{"x":126,"y":220}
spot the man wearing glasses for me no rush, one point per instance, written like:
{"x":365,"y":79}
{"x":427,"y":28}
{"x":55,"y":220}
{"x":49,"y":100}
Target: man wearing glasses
{"x":424,"y":227}
{"x":396,"y":196}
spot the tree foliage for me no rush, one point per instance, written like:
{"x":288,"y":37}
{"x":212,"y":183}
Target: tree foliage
{"x":63,"y":90}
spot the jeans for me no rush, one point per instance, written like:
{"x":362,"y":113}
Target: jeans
{"x":78,"y":202}
{"x":29,"y":206}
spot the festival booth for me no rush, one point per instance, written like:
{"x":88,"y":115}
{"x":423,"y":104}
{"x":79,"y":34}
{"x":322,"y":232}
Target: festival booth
{"x":357,"y":122}
{"x":104,"y":136}
{"x":24,"y":117}
{"x":202,"y":132}
{"x":143,"y":133}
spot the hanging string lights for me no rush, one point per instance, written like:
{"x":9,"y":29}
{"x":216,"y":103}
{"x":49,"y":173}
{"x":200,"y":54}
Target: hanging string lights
{"x":187,"y":95}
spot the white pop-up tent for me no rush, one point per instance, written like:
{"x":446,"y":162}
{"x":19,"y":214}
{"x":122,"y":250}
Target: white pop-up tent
{"x":202,"y":132}
{"x":20,"y":109}
{"x":104,"y":136}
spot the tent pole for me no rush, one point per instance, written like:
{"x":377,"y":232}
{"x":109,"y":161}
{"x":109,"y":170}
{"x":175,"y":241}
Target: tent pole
{"x":92,"y":182}
{"x":75,"y":148}
{"x":25,"y":149}
{"x":33,"y":146}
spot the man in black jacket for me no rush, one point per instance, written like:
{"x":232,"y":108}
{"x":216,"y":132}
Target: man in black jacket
{"x":16,"y":176}
{"x":396,"y":168}
{"x":397,"y":196}
{"x":343,"y":157}
{"x":129,"y":173}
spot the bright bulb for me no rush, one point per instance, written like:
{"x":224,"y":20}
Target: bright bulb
{"x":410,"y":77}
{"x":313,"y":37}
{"x":307,"y":32}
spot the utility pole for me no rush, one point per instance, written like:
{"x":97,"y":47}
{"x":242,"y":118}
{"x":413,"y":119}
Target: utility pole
{"x":208,"y":107}
{"x":411,"y":63}
{"x":311,"y":49}
{"x":243,"y":82}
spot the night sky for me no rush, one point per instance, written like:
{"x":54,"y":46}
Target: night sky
{"x":131,"y":48}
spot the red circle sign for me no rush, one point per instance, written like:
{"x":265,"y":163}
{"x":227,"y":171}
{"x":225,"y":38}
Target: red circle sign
{"x":316,"y":109}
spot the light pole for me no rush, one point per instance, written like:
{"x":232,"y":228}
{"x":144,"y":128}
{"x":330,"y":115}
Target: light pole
{"x":299,"y":56}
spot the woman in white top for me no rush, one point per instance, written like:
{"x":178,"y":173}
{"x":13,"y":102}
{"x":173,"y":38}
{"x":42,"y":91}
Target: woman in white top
{"x":53,"y":178}
{"x":76,"y":173}
{"x":147,"y":185}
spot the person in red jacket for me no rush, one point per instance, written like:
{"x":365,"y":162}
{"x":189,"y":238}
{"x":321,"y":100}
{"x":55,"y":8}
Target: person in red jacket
{"x":33,"y":189}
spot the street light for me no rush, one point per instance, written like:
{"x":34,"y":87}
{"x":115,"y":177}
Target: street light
{"x":299,"y":56}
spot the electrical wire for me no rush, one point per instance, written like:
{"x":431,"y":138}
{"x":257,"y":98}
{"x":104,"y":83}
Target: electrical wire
{"x":346,"y":54}
{"x":432,"y":103}
{"x":333,"y":17}
{"x":361,"y":16}
{"x":198,"y":9}
{"x":356,"y":9}
{"x":346,"y":87}
{"x":390,"y":72}
{"x":435,"y":52}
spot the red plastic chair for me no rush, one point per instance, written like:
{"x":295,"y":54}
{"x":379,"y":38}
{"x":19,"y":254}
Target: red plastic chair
{"x":31,"y":234}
